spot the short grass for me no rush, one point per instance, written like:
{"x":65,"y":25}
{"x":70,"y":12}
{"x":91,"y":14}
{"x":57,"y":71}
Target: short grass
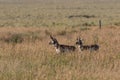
{"x":55,"y":13}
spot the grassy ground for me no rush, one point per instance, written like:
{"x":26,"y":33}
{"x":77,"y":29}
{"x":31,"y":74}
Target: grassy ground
{"x":25,"y":26}
{"x":35,"y":59}
{"x":61,"y":13}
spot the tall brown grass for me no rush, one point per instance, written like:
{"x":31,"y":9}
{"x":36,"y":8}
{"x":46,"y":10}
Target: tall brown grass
{"x":37,"y":60}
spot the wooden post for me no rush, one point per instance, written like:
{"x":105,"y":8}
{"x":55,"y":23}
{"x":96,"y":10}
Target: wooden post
{"x":100,"y":24}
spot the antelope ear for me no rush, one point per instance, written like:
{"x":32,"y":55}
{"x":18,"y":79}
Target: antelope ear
{"x":51,"y":37}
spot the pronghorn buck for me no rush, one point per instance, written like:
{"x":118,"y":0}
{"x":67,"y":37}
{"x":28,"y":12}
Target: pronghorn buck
{"x":82,"y":47}
{"x":61,"y":48}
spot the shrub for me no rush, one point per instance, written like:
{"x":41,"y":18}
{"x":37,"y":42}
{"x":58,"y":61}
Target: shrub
{"x":88,"y":24}
{"x":84,"y":28}
{"x":80,"y":16}
{"x":62,"y":33}
{"x":117,"y":23}
{"x":14,"y":38}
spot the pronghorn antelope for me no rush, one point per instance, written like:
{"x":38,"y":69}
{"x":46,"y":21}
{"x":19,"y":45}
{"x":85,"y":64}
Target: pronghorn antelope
{"x":82,"y":47}
{"x":61,"y":48}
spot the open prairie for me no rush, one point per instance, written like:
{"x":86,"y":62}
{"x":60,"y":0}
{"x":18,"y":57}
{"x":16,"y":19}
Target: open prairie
{"x":25,"y":26}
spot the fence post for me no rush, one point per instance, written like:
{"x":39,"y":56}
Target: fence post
{"x":100,"y":24}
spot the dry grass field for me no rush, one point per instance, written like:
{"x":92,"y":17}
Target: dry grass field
{"x":34,"y":59}
{"x":25,"y":26}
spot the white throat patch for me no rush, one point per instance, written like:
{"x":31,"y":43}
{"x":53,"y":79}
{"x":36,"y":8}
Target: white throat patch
{"x":57,"y":50}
